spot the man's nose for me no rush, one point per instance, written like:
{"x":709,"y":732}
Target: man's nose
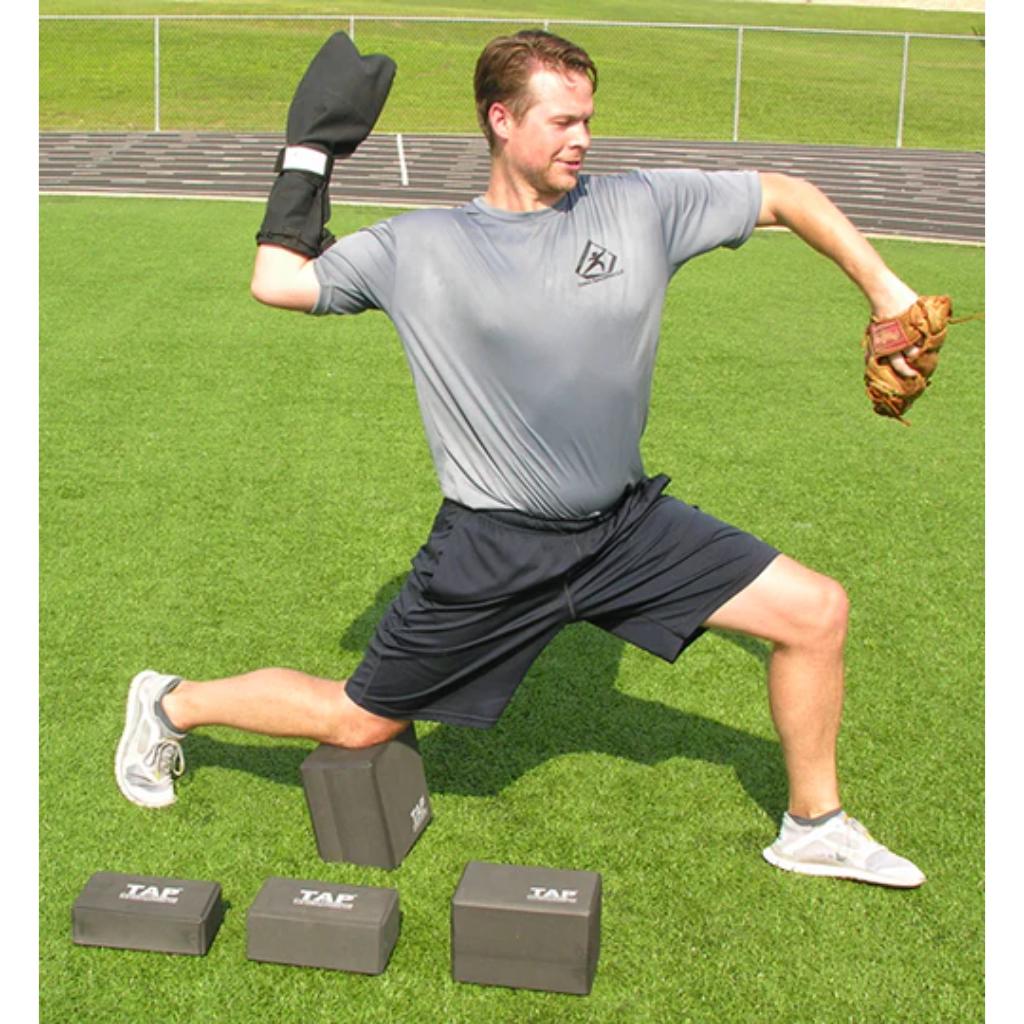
{"x":580,"y":135}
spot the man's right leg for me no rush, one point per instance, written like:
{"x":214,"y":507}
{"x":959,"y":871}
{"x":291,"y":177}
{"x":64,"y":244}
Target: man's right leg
{"x":457,"y":639}
{"x":279,"y":702}
{"x":272,"y":702}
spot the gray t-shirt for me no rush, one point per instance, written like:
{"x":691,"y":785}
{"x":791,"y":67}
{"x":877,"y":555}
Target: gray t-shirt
{"x":532,"y":336}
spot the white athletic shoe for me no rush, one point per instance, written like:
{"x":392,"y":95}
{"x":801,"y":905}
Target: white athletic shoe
{"x":149,"y":756}
{"x":840,"y":848}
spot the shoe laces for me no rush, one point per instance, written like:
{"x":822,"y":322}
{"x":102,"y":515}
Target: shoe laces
{"x":844,"y":841}
{"x":851,"y":840}
{"x":165,"y":758}
{"x":855,"y":835}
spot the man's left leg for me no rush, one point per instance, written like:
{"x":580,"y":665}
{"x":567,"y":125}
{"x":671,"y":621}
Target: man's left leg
{"x":804,"y":615}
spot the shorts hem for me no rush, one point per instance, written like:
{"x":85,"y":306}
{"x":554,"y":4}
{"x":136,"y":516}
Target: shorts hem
{"x":426,"y":715}
{"x":737,"y":588}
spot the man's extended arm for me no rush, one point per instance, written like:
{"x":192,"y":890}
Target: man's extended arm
{"x":807,"y":212}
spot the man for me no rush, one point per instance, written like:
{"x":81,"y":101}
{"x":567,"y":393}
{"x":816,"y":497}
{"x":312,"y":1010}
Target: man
{"x":530,"y":318}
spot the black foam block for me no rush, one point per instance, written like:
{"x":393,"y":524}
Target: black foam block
{"x":167,"y":915}
{"x":526,"y":927}
{"x":322,"y":924}
{"x":367,"y":806}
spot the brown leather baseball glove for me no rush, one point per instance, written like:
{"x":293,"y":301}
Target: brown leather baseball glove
{"x":917,"y":335}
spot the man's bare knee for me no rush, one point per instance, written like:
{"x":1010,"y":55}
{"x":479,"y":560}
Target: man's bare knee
{"x":355,"y":728}
{"x":835,"y":608}
{"x":790,"y":605}
{"x":822,"y":617}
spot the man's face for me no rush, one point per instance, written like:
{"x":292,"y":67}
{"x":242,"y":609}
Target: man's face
{"x":545,"y":149}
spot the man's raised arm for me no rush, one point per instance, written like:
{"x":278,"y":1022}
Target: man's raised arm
{"x":334,"y":109}
{"x":284,"y":279}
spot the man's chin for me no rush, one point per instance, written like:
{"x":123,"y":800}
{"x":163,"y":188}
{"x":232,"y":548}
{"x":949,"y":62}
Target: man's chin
{"x":558,"y":184}
{"x":567,"y":180}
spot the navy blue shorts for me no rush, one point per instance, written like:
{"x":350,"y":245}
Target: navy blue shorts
{"x":489,"y":590}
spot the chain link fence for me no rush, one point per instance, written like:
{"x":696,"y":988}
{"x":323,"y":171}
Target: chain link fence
{"x":665,"y":81}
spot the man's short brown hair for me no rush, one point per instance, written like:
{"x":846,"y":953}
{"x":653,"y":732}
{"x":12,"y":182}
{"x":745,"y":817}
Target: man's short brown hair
{"x":504,"y":69}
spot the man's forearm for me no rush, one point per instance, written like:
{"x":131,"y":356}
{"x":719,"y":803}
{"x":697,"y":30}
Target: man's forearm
{"x":813,"y":217}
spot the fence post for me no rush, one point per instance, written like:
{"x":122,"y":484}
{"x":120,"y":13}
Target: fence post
{"x":903,"y":90}
{"x":156,"y":74}
{"x":739,"y":76}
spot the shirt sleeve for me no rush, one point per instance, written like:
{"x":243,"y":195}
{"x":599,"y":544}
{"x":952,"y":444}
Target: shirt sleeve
{"x":703,"y":210}
{"x":357,"y":273}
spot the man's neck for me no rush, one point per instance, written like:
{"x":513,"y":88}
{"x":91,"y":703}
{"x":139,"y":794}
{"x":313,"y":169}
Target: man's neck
{"x":512,"y":194}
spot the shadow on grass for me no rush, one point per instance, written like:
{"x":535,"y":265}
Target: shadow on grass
{"x":569,"y":704}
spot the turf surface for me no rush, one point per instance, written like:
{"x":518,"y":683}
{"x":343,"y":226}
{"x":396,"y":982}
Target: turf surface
{"x":223,"y":486}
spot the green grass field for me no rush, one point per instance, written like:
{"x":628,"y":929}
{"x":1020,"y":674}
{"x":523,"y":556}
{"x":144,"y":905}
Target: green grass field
{"x":657,"y":82}
{"x":224,"y":486}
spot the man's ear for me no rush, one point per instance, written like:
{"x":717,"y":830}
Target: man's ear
{"x":500,"y":119}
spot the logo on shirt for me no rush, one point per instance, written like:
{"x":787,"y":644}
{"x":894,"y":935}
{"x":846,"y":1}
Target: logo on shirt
{"x":596,"y":264}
